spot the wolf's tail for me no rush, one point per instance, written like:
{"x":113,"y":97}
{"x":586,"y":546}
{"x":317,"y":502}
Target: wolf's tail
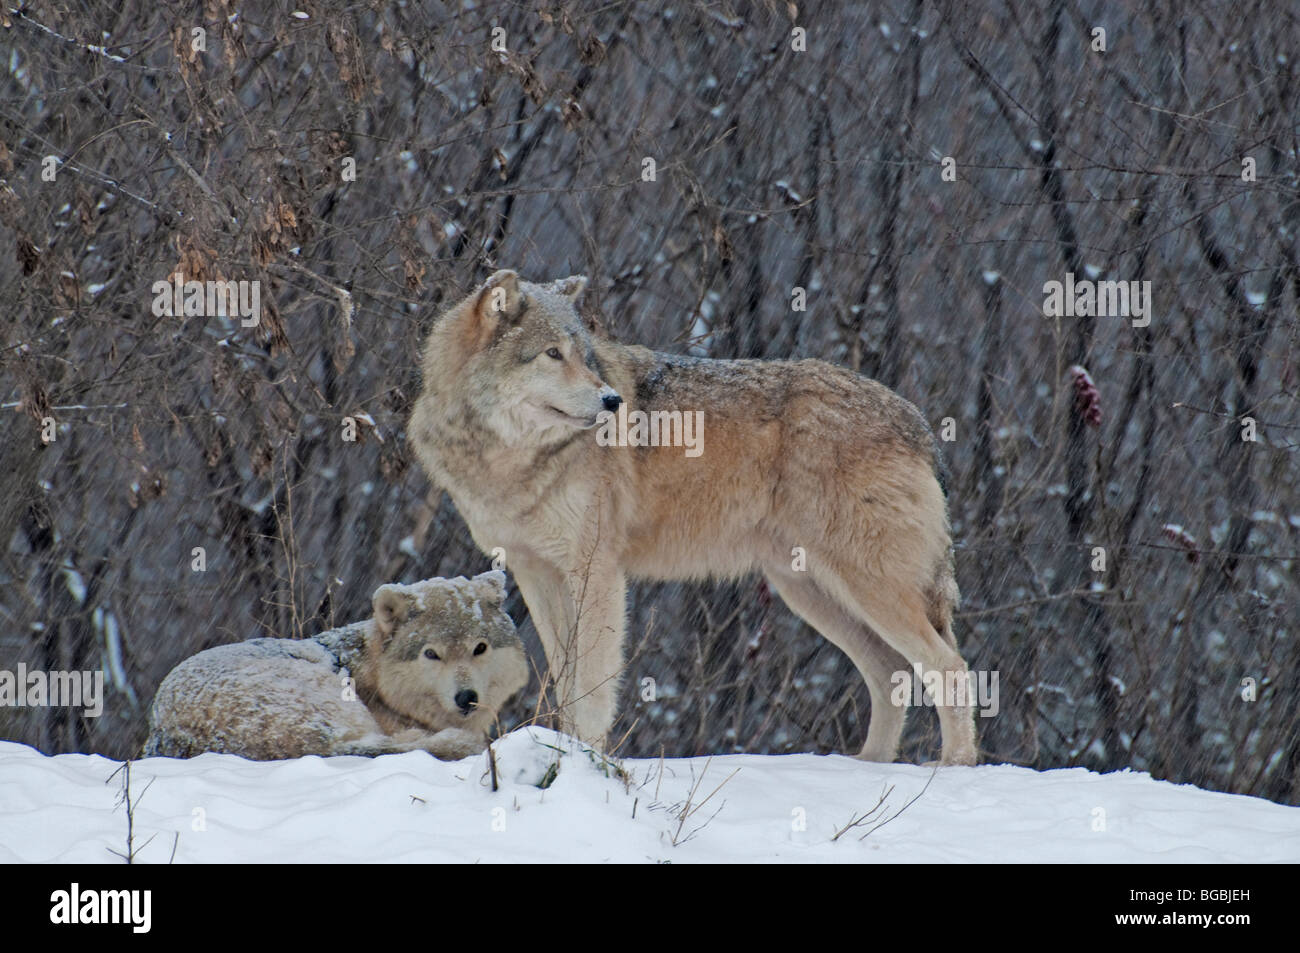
{"x":944,"y":598}
{"x":941,"y":471}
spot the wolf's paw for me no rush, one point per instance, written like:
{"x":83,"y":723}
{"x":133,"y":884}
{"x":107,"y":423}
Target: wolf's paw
{"x":877,"y":757}
{"x":452,"y":744}
{"x":962,"y":759}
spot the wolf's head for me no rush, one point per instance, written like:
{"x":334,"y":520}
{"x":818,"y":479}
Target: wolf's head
{"x":447,"y":653}
{"x":525,"y":361}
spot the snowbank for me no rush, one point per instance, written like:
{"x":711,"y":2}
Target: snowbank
{"x":738,"y":808}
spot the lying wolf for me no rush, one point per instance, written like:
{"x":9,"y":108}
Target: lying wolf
{"x":823,"y":480}
{"x":429,"y":671}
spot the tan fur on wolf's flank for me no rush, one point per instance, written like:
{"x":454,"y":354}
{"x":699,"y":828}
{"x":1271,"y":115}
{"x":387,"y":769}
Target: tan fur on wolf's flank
{"x":271,"y":699}
{"x":795,"y":454}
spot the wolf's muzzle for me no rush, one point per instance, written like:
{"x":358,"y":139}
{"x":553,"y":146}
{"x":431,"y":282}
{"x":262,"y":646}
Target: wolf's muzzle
{"x":466,"y":700}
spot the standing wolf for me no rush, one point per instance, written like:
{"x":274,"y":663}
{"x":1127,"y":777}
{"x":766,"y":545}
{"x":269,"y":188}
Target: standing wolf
{"x":819,"y":478}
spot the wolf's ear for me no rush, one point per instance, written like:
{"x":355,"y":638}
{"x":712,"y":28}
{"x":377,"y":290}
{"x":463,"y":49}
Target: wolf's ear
{"x":571,"y":287}
{"x":392,"y":606}
{"x":492,"y":586}
{"x":501,"y":299}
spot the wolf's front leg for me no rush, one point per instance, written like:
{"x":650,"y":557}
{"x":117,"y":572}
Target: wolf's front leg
{"x":599,"y":597}
{"x":450,"y":744}
{"x":547,"y":597}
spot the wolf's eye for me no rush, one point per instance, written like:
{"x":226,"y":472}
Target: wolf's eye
{"x":555,"y":353}
{"x":480,"y":648}
{"x":431,"y":654}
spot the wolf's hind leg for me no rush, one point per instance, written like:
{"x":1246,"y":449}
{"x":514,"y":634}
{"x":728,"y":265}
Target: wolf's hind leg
{"x":897,"y":613}
{"x":875,"y":660}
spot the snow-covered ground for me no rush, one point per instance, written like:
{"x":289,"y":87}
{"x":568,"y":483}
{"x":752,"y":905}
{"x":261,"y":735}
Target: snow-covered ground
{"x":410,"y":807}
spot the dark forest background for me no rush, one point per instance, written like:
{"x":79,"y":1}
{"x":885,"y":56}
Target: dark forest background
{"x":776,"y":168}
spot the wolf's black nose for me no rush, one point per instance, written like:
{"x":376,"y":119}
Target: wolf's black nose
{"x":612,"y":401}
{"x":466,"y":699}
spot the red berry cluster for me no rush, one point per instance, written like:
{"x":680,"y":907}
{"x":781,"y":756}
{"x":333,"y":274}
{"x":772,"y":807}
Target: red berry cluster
{"x":1087,"y":399}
